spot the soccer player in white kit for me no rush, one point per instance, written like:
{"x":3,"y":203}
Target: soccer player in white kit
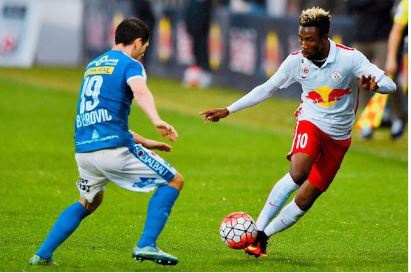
{"x":107,"y":150}
{"x":328,"y":73}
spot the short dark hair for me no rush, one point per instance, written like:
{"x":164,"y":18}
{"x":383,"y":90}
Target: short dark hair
{"x":316,"y":17}
{"x":130,"y":29}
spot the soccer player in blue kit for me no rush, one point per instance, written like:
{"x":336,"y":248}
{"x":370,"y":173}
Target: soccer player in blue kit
{"x":106,"y":150}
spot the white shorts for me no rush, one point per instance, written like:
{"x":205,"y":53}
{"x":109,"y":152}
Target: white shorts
{"x":136,"y":169}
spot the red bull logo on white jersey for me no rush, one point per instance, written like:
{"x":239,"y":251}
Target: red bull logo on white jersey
{"x":326,"y":97}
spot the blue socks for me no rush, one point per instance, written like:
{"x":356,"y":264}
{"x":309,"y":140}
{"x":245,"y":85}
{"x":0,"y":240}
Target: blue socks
{"x":68,"y":221}
{"x":158,"y":211}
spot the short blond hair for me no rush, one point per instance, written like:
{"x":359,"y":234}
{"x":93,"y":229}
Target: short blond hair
{"x":316,"y":17}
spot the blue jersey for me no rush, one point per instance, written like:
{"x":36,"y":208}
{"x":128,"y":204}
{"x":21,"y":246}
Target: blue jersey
{"x":104,"y":104}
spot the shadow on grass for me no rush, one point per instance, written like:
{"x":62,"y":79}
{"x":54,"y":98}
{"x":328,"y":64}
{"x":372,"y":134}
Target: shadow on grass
{"x":271,"y":259}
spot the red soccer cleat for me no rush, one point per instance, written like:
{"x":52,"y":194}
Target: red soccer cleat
{"x":259,"y":246}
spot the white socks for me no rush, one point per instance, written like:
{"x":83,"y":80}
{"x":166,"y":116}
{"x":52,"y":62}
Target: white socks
{"x":287,"y":217}
{"x":278,"y":196}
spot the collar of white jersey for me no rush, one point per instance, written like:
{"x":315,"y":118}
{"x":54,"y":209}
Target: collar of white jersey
{"x":330,"y":57}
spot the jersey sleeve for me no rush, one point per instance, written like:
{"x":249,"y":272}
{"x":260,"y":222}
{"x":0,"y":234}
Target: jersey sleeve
{"x":135,"y":70}
{"x":284,"y":76}
{"x":281,"y":79}
{"x":362,"y":66}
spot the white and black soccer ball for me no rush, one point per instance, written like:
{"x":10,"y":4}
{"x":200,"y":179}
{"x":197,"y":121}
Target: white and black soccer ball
{"x":238,"y":230}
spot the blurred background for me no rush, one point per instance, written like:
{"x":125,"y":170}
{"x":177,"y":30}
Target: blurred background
{"x":232,"y":43}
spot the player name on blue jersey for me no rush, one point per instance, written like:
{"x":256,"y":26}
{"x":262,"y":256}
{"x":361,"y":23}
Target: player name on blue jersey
{"x":93,"y":117}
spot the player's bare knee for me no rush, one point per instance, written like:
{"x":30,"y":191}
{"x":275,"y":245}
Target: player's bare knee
{"x":306,"y":196}
{"x":97,"y":200}
{"x":304,"y":202}
{"x":177,"y":182}
{"x":299,"y":175}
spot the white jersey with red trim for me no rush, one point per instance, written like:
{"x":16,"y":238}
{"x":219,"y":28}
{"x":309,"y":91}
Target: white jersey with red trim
{"x":328,"y":98}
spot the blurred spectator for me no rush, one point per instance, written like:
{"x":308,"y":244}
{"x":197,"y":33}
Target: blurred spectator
{"x":372,"y":24}
{"x":142,"y":9}
{"x":258,"y":6}
{"x":197,"y":18}
{"x":396,"y":48}
{"x":277,"y":8}
{"x":336,"y":7}
{"x":255,"y":7}
{"x":239,"y":6}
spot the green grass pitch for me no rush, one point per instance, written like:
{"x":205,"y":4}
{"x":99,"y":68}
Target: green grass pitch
{"x":359,"y":224}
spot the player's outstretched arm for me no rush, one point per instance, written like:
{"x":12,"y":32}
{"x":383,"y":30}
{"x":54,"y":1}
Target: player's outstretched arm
{"x":150,"y":143}
{"x":215,"y":115}
{"x":281,"y":79}
{"x":145,"y":101}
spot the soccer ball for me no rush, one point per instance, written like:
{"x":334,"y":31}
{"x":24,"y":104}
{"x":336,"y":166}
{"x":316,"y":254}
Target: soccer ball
{"x":238,"y":230}
{"x":196,"y":77}
{"x":192,"y":76}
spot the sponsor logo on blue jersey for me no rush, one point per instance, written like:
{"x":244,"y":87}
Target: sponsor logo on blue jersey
{"x":105,"y":59}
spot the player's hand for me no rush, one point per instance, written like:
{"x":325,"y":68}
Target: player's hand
{"x":157,"y":145}
{"x":166,"y":130}
{"x":368,"y":83}
{"x":215,"y":115}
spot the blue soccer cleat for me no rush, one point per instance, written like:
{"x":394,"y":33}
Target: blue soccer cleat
{"x":37,"y":260}
{"x":154,"y":254}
